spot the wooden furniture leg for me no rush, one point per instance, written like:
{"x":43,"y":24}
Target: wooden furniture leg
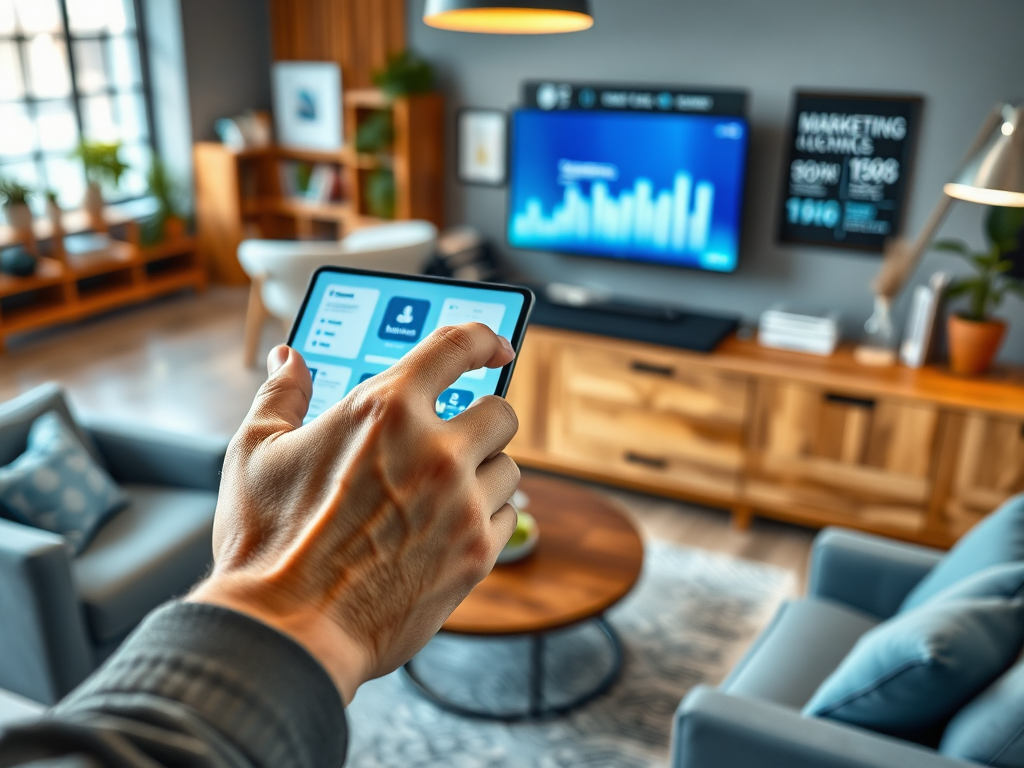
{"x":255,"y":314}
{"x":742,"y":516}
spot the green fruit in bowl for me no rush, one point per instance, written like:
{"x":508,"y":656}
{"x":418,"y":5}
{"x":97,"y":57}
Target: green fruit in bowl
{"x":523,"y":539}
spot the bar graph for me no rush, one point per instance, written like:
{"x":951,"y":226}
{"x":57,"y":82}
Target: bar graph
{"x":675,"y":220}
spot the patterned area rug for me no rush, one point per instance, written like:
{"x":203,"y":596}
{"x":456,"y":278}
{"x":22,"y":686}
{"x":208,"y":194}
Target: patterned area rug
{"x":687,"y":622}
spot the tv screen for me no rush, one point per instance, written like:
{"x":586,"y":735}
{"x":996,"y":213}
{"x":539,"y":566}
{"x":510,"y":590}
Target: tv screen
{"x":662,"y":188}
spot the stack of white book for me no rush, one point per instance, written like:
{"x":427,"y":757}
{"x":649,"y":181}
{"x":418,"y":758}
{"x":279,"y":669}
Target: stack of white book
{"x":799,"y":329}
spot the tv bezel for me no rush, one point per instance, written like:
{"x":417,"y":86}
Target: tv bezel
{"x":510,"y":165}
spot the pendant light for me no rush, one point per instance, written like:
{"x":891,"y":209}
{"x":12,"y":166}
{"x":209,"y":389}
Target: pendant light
{"x":509,"y":17}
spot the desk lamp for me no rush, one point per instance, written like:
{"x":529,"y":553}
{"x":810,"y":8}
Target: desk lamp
{"x":991,"y":174}
{"x":509,"y":17}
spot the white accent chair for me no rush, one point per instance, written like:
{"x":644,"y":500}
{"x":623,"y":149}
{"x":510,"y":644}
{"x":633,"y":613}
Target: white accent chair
{"x":280,"y":269}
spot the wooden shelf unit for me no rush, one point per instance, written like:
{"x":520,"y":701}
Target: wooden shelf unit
{"x":65,"y":291}
{"x":919,"y":455}
{"x":239,"y":193}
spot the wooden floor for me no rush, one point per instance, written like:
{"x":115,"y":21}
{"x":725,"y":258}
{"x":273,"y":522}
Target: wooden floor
{"x":177,"y":364}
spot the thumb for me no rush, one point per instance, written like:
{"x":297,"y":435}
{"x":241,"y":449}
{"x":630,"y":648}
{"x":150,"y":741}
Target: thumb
{"x":284,"y":396}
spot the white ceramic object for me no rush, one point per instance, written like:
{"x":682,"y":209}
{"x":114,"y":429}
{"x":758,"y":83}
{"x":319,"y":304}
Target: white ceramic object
{"x":513,"y":554}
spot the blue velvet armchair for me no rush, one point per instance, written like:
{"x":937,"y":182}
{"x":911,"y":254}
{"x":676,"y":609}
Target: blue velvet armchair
{"x":61,"y":614}
{"x":753,"y":718}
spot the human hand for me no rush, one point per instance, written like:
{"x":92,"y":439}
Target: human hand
{"x":360,"y":532}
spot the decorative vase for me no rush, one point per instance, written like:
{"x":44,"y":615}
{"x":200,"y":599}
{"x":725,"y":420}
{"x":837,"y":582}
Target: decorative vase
{"x":973,"y":344}
{"x":93,"y":205}
{"x":19,"y":216}
{"x":17,"y":261}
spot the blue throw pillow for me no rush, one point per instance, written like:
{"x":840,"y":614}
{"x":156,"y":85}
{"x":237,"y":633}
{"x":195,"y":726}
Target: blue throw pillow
{"x":57,"y":486}
{"x":909,"y":675}
{"x":999,"y":538}
{"x":990,"y":730}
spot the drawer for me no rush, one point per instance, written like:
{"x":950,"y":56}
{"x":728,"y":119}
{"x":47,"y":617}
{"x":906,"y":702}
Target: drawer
{"x":648,"y":419}
{"x":653,"y":382}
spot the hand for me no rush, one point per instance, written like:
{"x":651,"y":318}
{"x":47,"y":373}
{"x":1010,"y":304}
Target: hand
{"x":360,"y":532}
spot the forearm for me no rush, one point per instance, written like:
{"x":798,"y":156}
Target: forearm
{"x":198,"y":685}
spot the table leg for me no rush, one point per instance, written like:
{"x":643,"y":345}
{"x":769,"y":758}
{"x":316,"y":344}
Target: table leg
{"x":537,"y":675}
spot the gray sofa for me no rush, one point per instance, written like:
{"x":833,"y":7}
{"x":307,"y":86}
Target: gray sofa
{"x":753,"y":718}
{"x":61,"y":614}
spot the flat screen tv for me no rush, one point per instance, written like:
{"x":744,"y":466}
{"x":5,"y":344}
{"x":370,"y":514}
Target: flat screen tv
{"x":653,"y":187}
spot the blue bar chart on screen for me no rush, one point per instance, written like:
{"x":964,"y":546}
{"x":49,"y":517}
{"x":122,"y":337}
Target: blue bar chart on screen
{"x":657,"y":187}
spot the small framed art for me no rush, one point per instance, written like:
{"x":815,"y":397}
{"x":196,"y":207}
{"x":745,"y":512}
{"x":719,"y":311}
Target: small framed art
{"x":307,"y":104}
{"x":483,"y":147}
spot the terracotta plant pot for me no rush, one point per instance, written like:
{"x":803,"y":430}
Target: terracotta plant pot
{"x":973,"y":344}
{"x":93,"y":205}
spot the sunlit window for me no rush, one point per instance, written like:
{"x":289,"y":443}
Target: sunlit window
{"x":70,"y":69}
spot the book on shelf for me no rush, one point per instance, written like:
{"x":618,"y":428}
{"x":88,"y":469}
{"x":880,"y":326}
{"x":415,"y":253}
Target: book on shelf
{"x":316,"y":183}
{"x":919,"y":340}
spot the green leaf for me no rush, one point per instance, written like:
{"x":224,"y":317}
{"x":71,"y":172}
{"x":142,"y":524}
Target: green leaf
{"x":1003,"y":226}
{"x":952,"y":246}
{"x":959,"y":289}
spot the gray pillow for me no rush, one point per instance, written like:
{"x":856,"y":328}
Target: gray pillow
{"x":57,"y":486}
{"x":909,"y":675}
{"x":990,"y":730}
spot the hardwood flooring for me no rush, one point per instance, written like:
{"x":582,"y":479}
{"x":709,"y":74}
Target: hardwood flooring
{"x":177,"y":364}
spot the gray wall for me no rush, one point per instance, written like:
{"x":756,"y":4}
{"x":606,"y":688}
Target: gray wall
{"x":961,"y":55}
{"x":227,"y":55}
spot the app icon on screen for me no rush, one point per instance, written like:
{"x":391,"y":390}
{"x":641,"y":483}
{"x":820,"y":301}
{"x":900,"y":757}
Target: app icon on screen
{"x":403,"y":319}
{"x":452,"y":402}
{"x":365,"y":376}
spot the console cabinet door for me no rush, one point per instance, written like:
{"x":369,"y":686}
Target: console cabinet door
{"x":842,"y":458}
{"x":648,"y":418}
{"x":989,"y":469}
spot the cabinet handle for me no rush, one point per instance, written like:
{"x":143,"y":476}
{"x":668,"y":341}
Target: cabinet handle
{"x":658,"y":370}
{"x":648,"y":461}
{"x":856,"y":402}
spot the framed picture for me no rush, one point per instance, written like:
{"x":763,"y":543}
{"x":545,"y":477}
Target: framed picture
{"x":307,"y":104}
{"x":849,"y":159}
{"x":482,"y":146}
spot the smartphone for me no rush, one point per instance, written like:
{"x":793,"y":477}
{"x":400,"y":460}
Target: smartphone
{"x":354,"y":323}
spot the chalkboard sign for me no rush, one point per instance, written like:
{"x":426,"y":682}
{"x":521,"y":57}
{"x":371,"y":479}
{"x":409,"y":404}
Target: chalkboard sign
{"x":849,"y":164}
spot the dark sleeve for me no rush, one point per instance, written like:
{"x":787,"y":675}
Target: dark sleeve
{"x":194,"y":685}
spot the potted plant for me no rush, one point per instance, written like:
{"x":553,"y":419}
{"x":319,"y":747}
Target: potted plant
{"x":404,"y":75}
{"x":168,"y":223}
{"x":103,"y":165}
{"x":14,"y":199}
{"x":974,"y":333}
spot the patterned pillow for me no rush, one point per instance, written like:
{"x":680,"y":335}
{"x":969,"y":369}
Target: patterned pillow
{"x":57,"y":486}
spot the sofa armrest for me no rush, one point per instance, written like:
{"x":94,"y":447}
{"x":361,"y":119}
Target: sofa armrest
{"x":45,"y":649}
{"x":870,"y":573}
{"x":145,"y":455}
{"x":716,"y":730}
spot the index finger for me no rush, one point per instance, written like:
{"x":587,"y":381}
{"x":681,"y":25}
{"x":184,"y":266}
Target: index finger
{"x":447,"y":353}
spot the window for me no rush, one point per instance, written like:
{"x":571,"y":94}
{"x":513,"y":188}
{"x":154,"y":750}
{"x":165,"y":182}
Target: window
{"x":71,"y":69}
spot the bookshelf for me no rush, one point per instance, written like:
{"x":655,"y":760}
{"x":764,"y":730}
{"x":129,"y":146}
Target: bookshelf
{"x":242,"y":194}
{"x":65,"y":288}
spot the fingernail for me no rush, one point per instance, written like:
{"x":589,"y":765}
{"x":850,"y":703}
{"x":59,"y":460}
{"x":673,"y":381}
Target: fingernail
{"x":507,"y":345}
{"x":278,"y":357}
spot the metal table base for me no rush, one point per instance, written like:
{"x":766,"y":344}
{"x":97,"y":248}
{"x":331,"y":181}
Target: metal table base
{"x":537,"y":708}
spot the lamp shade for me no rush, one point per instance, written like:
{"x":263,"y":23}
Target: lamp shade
{"x":994,"y":174}
{"x":509,"y":17}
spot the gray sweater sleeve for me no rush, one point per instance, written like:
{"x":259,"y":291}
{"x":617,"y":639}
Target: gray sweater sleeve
{"x":194,"y":685}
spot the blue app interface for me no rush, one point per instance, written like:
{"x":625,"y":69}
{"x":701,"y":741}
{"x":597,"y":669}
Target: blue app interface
{"x":356,"y":326}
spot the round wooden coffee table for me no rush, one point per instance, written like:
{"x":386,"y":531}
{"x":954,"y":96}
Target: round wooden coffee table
{"x":588,"y":557}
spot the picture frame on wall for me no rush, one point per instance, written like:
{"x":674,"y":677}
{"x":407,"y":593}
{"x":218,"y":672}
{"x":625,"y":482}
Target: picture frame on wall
{"x":308,"y":105}
{"x":849,"y":158}
{"x":482,"y":149}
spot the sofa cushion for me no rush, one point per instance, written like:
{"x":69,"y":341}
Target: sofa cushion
{"x":999,"y":538}
{"x":155,"y":549}
{"x":909,"y":675}
{"x":55,"y":484}
{"x":990,"y":730}
{"x":802,"y":646}
{"x":17,"y":416}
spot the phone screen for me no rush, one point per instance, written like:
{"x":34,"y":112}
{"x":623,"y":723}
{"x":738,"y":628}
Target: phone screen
{"x":354,"y":324}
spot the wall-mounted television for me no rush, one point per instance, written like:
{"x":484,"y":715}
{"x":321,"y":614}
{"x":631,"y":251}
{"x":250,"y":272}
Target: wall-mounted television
{"x":652,"y":175}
